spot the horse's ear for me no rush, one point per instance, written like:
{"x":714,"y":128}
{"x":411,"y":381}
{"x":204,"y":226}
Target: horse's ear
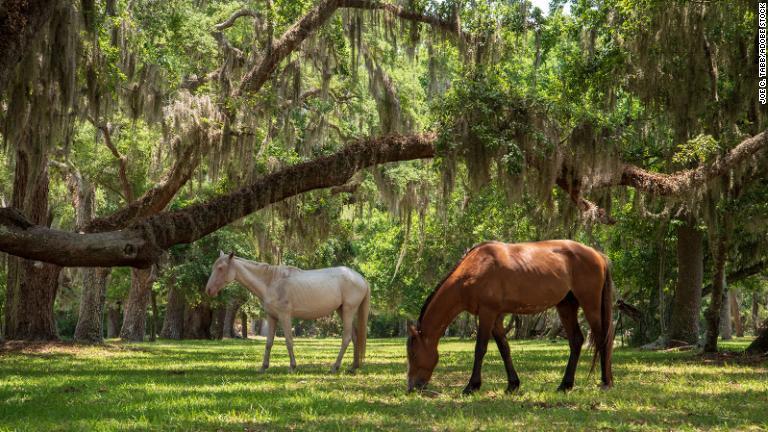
{"x":231,"y":255}
{"x":413,"y":330}
{"x":221,"y":253}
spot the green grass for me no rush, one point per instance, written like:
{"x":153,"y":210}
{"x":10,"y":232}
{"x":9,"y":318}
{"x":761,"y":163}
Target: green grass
{"x":214,"y":385}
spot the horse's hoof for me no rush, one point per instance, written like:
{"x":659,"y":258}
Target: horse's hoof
{"x":352,"y":370}
{"x":263,"y":370}
{"x":565,"y":388}
{"x":470,"y":388}
{"x":605,"y":387}
{"x":334,"y":370}
{"x":292,"y":369}
{"x":512,"y":388}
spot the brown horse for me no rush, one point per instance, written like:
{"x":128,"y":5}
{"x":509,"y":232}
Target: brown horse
{"x":493,"y":279}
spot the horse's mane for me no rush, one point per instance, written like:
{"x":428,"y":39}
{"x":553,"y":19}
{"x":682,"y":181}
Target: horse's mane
{"x":437,"y":288}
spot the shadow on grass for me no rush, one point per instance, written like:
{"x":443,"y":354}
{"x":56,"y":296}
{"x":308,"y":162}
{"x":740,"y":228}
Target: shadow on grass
{"x":210,"y":385}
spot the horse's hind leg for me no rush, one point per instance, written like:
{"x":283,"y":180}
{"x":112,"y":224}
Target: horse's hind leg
{"x":568,"y":309}
{"x":501,"y":342}
{"x":272,"y":328}
{"x":347,"y":316}
{"x":285,"y":323}
{"x":483,"y":334}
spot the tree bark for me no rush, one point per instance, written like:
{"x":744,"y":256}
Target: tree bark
{"x":114,"y":320}
{"x":686,"y":304}
{"x":718,"y":293}
{"x":173,"y":323}
{"x":738,"y":325}
{"x":135,"y":316}
{"x":89,"y":321}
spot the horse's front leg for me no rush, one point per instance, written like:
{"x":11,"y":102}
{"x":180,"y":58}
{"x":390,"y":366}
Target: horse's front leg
{"x":285,"y":323}
{"x":347,"y":315}
{"x":272,"y":328}
{"x":483,"y":335}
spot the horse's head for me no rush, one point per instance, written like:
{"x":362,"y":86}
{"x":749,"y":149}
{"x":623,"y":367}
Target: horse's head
{"x":422,"y":359}
{"x":223,"y":273}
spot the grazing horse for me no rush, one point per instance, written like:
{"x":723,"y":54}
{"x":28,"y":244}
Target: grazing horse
{"x":493,"y":279}
{"x":288,"y":292}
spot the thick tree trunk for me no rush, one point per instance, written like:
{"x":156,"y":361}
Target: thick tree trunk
{"x":738,"y":324}
{"x":173,"y":323}
{"x":233,"y":306}
{"x":114,"y":320}
{"x":89,"y":321}
{"x":686,"y":304}
{"x":760,"y":344}
{"x":197,"y":322}
{"x":31,"y":285}
{"x":135,"y":316}
{"x":718,"y":294}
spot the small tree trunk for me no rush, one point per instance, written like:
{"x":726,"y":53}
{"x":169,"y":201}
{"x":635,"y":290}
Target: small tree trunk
{"x":244,"y":325}
{"x":153,"y":322}
{"x":135,"y":317}
{"x":726,"y":329}
{"x":173,"y":323}
{"x":217,"y":322}
{"x":755,"y":313}
{"x":89,"y":321}
{"x":738,"y":324}
{"x":233,"y":306}
{"x":114,"y":318}
{"x":686,"y":304}
{"x":718,"y":293}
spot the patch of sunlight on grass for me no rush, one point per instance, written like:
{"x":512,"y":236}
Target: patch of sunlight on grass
{"x":215,"y":385}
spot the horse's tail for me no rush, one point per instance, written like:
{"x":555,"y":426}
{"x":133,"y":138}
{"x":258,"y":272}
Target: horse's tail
{"x":603,"y":343}
{"x":362,"y":327}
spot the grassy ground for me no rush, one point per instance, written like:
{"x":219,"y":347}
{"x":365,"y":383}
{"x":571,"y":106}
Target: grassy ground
{"x":214,"y":385}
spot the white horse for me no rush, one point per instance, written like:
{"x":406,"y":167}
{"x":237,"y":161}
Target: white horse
{"x":288,"y":292}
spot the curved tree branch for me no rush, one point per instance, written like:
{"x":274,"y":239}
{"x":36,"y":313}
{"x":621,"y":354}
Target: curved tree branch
{"x":229,"y":22}
{"x":682,"y":181}
{"x":140,"y":244}
{"x":155,"y":199}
